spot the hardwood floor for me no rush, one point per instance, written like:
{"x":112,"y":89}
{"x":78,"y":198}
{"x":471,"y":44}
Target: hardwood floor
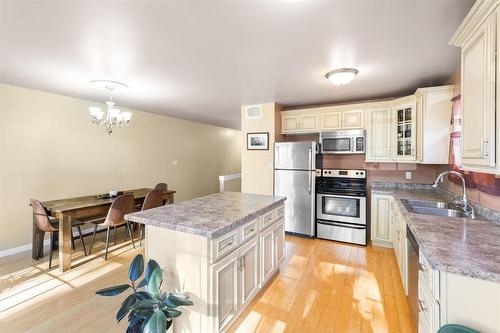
{"x":322,"y":287}
{"x":326,"y":286}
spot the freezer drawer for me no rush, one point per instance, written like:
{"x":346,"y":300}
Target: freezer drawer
{"x":341,"y":232}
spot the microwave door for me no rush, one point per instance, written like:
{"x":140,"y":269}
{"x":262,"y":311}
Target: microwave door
{"x":337,"y":145}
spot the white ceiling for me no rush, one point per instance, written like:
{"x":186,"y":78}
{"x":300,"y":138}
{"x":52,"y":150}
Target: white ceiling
{"x":202,"y":60}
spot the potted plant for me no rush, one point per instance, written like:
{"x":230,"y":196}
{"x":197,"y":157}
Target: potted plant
{"x":149,"y":310}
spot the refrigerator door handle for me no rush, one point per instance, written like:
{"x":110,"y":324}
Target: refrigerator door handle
{"x":310,"y":160}
{"x":310,"y":181}
{"x":277,"y":150}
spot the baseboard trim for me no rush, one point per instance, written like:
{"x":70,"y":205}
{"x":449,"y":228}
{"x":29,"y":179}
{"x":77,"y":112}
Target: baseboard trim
{"x":28,"y":247}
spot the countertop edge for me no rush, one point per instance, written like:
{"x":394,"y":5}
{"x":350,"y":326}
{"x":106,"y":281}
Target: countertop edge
{"x":209,"y":234}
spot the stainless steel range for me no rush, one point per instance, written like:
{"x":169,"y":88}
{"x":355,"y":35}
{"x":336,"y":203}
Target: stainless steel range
{"x":341,"y":205}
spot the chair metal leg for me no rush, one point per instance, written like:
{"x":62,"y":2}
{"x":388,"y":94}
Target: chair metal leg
{"x":93,"y":239}
{"x":51,"y":248}
{"x":81,"y":238}
{"x":114,"y":230}
{"x":141,"y":227}
{"x":130,"y":234}
{"x":72,"y":240}
{"x":107,"y":243}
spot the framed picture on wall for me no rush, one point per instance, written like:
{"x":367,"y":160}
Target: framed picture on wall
{"x":258,"y":141}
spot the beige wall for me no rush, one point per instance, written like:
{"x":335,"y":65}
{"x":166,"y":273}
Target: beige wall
{"x":257,"y":166}
{"x":49,"y":149}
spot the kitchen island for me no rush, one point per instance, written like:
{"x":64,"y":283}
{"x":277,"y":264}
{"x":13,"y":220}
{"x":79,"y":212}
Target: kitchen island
{"x":220,"y":250}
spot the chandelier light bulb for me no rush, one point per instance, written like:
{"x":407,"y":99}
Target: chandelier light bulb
{"x":113,"y":117}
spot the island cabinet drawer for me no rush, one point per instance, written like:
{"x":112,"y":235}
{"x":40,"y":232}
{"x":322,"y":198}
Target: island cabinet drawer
{"x":249,"y":230}
{"x":225,"y":244}
{"x":279,"y":212}
{"x":267,"y":219}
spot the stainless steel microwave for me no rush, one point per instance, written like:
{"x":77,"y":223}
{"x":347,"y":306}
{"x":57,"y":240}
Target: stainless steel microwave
{"x":343,"y":142}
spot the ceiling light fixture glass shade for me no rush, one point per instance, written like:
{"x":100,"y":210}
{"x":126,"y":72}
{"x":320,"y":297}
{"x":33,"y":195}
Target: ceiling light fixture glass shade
{"x":113,"y":117}
{"x":341,"y":76}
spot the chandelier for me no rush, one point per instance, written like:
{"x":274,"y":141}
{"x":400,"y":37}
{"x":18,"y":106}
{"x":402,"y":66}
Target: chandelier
{"x":112,"y":117}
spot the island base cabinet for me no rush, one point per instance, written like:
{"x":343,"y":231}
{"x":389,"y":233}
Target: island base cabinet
{"x":226,"y":277}
{"x":222,"y":275}
{"x":279,"y":239}
{"x":267,"y":261}
{"x":249,"y":271}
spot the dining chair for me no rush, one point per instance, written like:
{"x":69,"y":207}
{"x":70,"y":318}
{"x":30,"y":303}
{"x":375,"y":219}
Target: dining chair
{"x":153,"y":199}
{"x":121,"y":206}
{"x":46,"y":224}
{"x":162,"y":187}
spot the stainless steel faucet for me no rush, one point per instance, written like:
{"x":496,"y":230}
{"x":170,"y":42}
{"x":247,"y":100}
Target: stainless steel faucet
{"x":464,"y":202}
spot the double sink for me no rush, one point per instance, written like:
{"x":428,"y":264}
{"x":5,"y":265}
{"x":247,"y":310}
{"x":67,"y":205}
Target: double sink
{"x":436,"y":208}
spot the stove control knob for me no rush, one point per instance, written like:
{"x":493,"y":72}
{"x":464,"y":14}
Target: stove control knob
{"x":357,"y":173}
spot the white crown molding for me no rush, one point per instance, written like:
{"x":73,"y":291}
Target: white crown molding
{"x":476,"y":16}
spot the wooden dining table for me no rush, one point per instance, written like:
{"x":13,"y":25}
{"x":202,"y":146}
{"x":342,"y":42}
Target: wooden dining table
{"x":80,"y":208}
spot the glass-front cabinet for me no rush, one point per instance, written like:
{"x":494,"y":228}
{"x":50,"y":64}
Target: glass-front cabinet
{"x":405,"y":131}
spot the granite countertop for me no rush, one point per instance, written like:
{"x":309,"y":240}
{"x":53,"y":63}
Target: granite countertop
{"x":210,"y":216}
{"x":456,"y":245}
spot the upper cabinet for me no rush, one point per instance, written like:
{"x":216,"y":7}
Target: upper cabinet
{"x":290,"y":123}
{"x":434,"y":107}
{"x":321,"y":119}
{"x":477,"y":37}
{"x":378,"y":135}
{"x":353,"y":119}
{"x":404,"y":113}
{"x":331,"y":121}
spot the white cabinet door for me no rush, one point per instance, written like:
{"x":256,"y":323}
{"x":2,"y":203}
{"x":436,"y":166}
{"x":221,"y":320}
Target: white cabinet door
{"x":279,"y":241}
{"x":378,"y":135}
{"x":404,"y":122}
{"x":352,"y":119}
{"x":249,"y":271}
{"x":331,"y":121}
{"x":267,"y":255}
{"x":289,"y":124}
{"x":478,"y":97}
{"x":225,"y":279}
{"x":381,"y":220}
{"x":308,"y":123}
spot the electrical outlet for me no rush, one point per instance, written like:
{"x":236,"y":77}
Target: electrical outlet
{"x":408,"y":174}
{"x":174,"y":163}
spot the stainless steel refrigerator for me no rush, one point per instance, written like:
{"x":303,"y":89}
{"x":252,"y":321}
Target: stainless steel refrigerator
{"x":294,"y":177}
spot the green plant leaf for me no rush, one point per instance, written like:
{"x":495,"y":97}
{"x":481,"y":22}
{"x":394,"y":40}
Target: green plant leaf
{"x":156,"y":324}
{"x":179,"y":300}
{"x":171,"y":313}
{"x":150,"y":267}
{"x":113,"y":291}
{"x":125,"y":307}
{"x":154,"y":282}
{"x":136,"y":268}
{"x":143,"y":283}
{"x":140,"y":295}
{"x":145,"y":305}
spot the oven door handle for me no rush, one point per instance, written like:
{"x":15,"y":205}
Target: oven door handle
{"x":342,"y":225}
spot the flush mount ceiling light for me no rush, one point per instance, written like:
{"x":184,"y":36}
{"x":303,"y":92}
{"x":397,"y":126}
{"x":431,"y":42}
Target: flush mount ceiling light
{"x":341,"y":76}
{"x":114,"y":117}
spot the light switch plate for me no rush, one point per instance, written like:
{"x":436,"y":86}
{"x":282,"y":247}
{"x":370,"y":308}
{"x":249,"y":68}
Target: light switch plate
{"x":408,"y":174}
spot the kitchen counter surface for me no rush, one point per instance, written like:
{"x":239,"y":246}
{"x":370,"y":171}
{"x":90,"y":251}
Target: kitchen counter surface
{"x":210,"y":216}
{"x":456,"y":245}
